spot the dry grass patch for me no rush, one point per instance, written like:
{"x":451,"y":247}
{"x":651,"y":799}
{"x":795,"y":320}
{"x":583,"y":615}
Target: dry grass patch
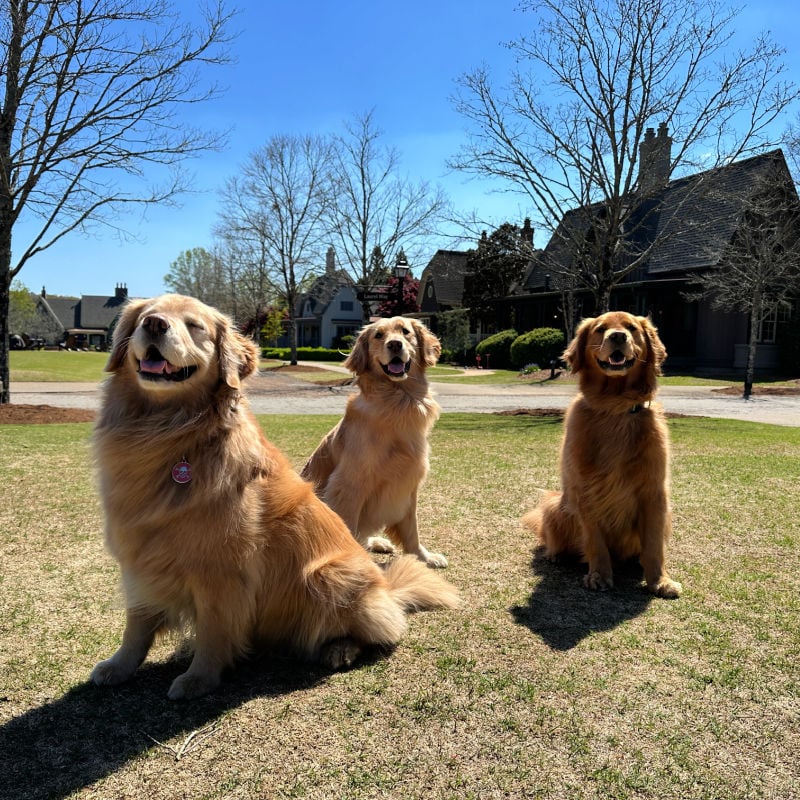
{"x":535,"y":689}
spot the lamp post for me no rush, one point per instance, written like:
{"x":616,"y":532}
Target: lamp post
{"x":400,"y":271}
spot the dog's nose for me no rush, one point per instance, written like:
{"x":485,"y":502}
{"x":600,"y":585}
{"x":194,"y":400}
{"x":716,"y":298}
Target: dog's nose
{"x":394,"y":346}
{"x":155,"y":324}
{"x":617,"y":337}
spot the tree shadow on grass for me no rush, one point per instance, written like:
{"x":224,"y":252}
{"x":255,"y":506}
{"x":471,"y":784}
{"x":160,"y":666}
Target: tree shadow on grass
{"x":563,"y":613}
{"x":90,"y":732}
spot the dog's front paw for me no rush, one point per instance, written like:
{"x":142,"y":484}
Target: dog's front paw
{"x":597,"y":582}
{"x":340,"y":653}
{"x":377,"y":544}
{"x":111,"y":672}
{"x":435,"y":560}
{"x":188,"y":686}
{"x":666,"y":587}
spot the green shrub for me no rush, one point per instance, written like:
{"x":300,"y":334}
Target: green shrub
{"x":539,"y":346}
{"x":304,"y":354}
{"x":495,"y":351}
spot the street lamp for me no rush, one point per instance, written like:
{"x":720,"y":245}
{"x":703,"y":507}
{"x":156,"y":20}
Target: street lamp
{"x":400,"y":271}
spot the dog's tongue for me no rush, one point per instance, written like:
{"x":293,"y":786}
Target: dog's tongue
{"x":617,"y":357}
{"x":156,"y":367}
{"x":396,"y":367}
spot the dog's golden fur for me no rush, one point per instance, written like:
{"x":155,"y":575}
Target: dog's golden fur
{"x":245,"y":552}
{"x":614,"y":498}
{"x":370,"y":467}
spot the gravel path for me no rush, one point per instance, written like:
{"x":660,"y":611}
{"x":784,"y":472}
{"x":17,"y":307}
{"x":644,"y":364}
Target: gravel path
{"x":272,"y":393}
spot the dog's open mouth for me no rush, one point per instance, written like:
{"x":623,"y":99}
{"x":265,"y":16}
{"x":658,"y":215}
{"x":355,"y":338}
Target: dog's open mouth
{"x":397,"y":368}
{"x":154,"y":367}
{"x":616,"y":362}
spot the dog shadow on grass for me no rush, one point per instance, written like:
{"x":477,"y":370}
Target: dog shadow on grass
{"x":68,"y":743}
{"x":563,"y":613}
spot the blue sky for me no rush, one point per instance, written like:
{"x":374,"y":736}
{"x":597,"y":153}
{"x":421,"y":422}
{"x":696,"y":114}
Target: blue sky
{"x":305,"y":67}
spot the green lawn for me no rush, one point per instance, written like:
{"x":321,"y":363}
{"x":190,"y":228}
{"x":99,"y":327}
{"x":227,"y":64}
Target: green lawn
{"x":57,"y":365}
{"x":47,"y":365}
{"x":535,"y":689}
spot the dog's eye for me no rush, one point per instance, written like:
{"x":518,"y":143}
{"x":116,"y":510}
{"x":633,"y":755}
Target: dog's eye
{"x":406,"y":331}
{"x":600,"y":329}
{"x":631,"y":327}
{"x":193,"y":323}
{"x":378,"y":335}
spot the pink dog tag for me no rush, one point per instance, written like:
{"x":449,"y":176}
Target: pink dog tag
{"x":182,"y":472}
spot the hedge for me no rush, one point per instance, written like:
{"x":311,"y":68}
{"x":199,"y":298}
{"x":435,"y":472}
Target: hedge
{"x":304,"y":354}
{"x":495,"y":351}
{"x":539,"y":346}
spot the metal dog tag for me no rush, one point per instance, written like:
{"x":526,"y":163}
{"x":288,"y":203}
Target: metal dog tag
{"x":182,"y":472}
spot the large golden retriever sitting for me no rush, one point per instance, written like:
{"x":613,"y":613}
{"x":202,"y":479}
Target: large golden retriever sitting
{"x":614,"y":456}
{"x":370,"y":467}
{"x":209,"y":522}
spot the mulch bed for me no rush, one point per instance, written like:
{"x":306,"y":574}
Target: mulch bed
{"x":22,"y":414}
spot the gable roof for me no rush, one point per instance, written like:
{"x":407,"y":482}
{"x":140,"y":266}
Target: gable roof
{"x":323,"y":290}
{"x":88,"y":312}
{"x":97,"y":311}
{"x":446,"y":270}
{"x":62,"y":309}
{"x":693,"y":219}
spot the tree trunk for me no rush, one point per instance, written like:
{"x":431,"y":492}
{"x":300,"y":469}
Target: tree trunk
{"x":292,"y":339}
{"x":5,"y":297}
{"x":603,"y":297}
{"x":752,"y":346}
{"x":5,"y":370}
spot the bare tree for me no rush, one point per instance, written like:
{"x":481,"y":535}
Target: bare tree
{"x":570,"y":131}
{"x":248,"y":279}
{"x":276,"y":209}
{"x":90,"y":95}
{"x":201,"y":274}
{"x":759,"y":273}
{"x":375,"y":211}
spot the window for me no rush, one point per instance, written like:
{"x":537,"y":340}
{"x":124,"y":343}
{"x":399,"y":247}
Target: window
{"x":346,"y":305}
{"x":769,"y":324}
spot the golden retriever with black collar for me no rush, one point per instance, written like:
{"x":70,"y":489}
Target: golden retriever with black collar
{"x":614,"y":497}
{"x":370,"y":467}
{"x":210,"y":524}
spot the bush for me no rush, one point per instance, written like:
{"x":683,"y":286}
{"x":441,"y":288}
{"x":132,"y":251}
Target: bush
{"x":303,"y":354}
{"x":539,"y":346}
{"x":495,"y":351}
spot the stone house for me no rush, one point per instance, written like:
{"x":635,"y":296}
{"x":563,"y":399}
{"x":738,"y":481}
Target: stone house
{"x":82,"y":323}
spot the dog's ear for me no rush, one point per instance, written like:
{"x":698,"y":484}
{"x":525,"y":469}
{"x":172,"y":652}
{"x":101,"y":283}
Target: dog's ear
{"x":358,"y":360}
{"x":238,"y":356}
{"x":123,"y":330}
{"x":657,"y":353}
{"x":428,"y":346}
{"x":575,"y":354}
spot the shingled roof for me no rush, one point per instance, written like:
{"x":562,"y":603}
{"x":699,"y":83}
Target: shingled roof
{"x":446,"y":271}
{"x":88,"y":312}
{"x":323,"y":290}
{"x":692,"y":219}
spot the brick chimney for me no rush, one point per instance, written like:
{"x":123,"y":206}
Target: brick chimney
{"x":330,"y":261}
{"x":526,"y":234}
{"x":655,"y":157}
{"x":121,"y":291}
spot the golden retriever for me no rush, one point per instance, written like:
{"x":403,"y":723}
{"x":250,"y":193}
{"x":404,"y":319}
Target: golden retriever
{"x":370,"y":467}
{"x":614,"y":497}
{"x":211,"y":526}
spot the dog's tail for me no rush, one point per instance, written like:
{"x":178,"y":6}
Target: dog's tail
{"x":417,"y":588}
